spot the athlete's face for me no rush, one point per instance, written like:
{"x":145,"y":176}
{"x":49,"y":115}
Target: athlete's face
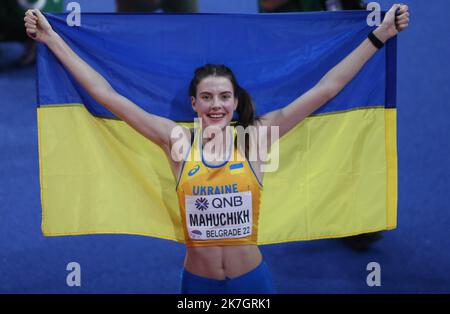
{"x":215,"y":101}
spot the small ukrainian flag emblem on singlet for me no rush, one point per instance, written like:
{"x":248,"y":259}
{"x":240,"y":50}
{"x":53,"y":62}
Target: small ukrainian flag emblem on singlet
{"x":237,"y":168}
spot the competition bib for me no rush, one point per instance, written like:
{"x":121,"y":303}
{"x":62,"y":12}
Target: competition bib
{"x":219,"y":216}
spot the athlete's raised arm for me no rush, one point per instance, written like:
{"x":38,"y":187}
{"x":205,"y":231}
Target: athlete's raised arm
{"x":155,"y":128}
{"x":336,"y":79}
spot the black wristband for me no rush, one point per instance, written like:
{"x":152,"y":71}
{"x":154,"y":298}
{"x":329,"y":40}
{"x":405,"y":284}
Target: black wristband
{"x":375,"y":41}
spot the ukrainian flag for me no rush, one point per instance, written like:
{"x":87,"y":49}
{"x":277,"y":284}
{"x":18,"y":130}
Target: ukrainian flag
{"x":337,"y":173}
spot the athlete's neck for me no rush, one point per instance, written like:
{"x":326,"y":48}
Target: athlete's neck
{"x":218,"y":141}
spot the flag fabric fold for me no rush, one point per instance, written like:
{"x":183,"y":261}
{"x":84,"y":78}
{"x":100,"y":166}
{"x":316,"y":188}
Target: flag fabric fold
{"x":337,"y":173}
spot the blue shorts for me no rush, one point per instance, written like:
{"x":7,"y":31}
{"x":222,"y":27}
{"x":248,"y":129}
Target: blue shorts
{"x":256,"y":281}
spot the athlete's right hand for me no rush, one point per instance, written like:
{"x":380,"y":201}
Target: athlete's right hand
{"x":37,"y":26}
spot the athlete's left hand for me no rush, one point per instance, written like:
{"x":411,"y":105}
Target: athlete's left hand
{"x":395,"y":22}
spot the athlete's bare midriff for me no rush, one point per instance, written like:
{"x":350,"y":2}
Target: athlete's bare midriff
{"x":218,"y":262}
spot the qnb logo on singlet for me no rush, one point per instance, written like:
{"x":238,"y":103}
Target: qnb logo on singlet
{"x":201,"y":203}
{"x":227,"y":216}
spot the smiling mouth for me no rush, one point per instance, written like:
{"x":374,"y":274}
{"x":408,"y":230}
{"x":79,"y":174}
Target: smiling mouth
{"x":216,"y":115}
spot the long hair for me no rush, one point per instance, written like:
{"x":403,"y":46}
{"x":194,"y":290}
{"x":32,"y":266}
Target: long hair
{"x":245,"y":108}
